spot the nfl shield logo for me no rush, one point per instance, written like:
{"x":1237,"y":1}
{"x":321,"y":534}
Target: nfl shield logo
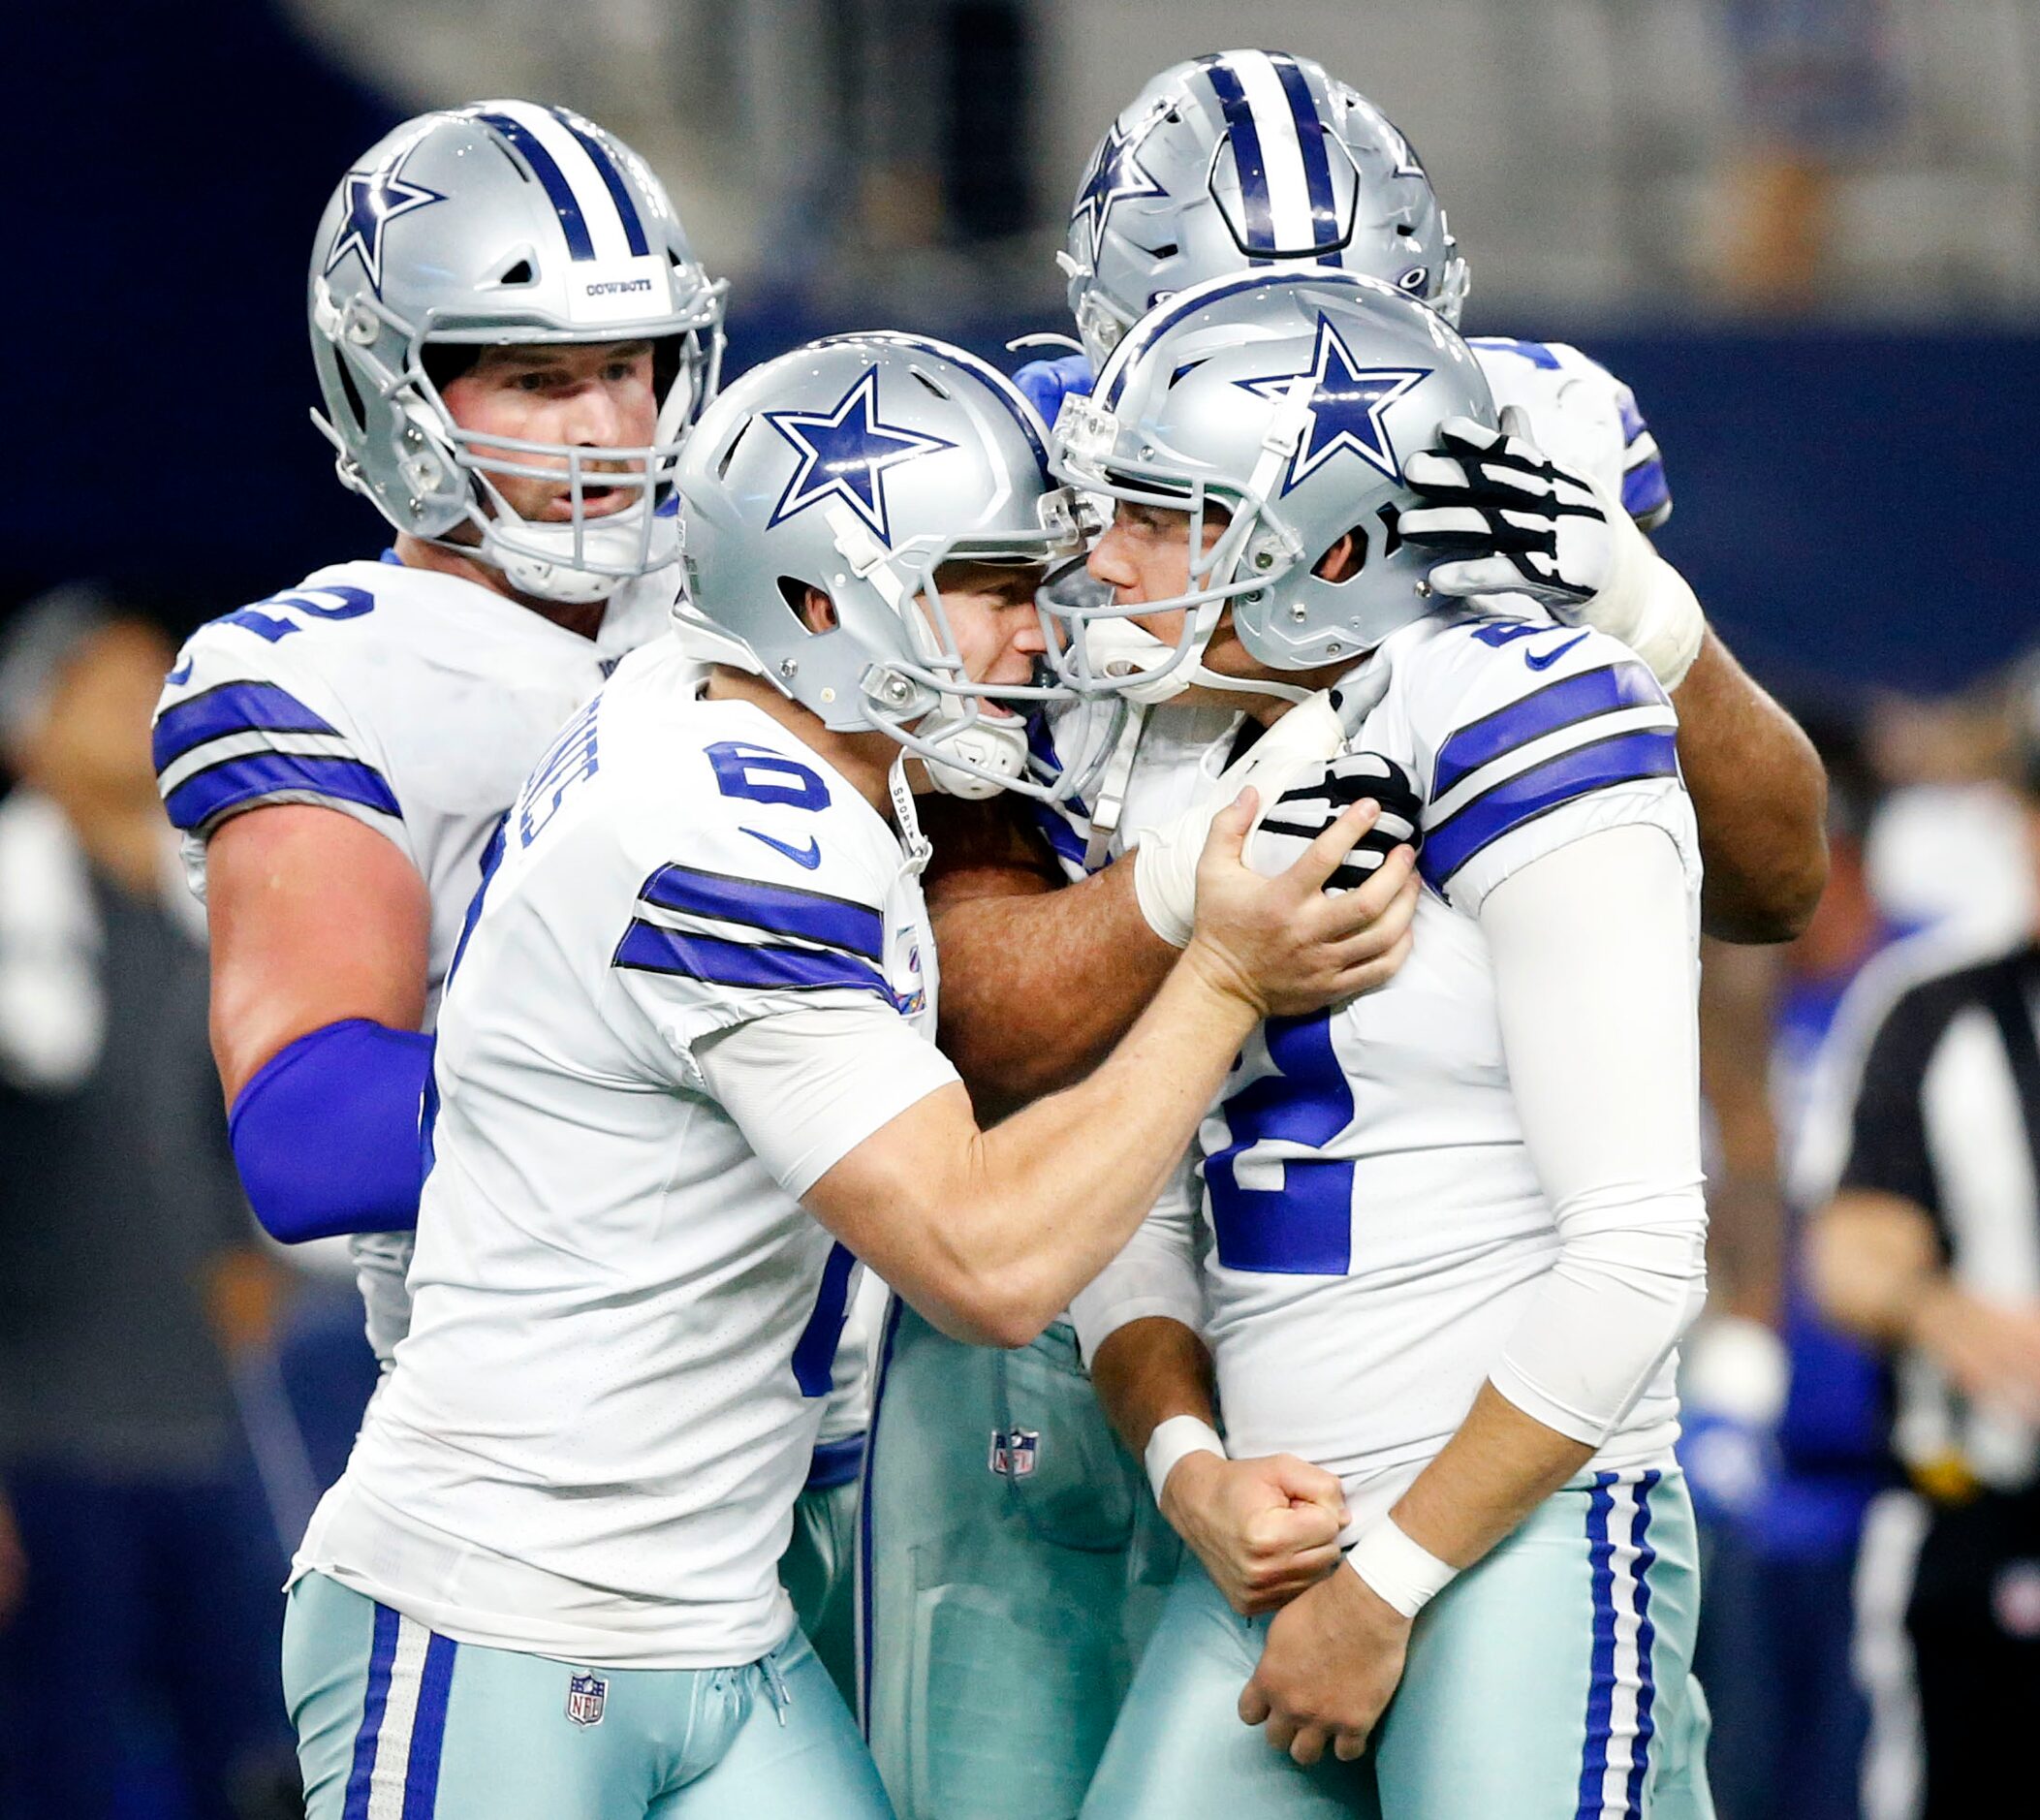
{"x":1014,"y":1452}
{"x":586,"y":1695}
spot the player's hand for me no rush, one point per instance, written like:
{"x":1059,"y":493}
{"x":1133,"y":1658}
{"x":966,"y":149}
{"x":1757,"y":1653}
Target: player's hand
{"x":1045,"y":383}
{"x":1264,"y":1528}
{"x":1330,"y":1665}
{"x":1514,"y":521}
{"x":1166,"y":855}
{"x":1282,"y":945}
{"x":1987,"y":1350}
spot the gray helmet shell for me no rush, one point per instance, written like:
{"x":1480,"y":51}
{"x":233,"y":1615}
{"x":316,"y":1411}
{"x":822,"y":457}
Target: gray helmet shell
{"x":504,"y":222}
{"x":1290,"y":400}
{"x":858,"y":465}
{"x":1245,"y":158}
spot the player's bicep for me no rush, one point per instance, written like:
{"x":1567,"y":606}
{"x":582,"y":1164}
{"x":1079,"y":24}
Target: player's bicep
{"x":880,"y":1194}
{"x":314,"y":918}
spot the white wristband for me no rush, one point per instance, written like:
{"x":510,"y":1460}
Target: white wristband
{"x":1405,"y":1574}
{"x":1172,"y":1440}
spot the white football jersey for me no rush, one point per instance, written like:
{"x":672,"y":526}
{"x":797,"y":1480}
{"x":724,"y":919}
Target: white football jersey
{"x":414,"y":702}
{"x":1582,"y":416}
{"x":593,"y":1435}
{"x":1376,"y":1224}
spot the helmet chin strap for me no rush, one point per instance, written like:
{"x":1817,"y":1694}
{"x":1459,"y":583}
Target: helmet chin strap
{"x":1120,"y":650}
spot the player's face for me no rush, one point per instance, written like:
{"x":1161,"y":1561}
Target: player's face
{"x":993,"y":618}
{"x":594,"y":396}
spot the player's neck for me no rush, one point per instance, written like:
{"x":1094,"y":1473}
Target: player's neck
{"x":584,"y":618}
{"x":866,"y":759}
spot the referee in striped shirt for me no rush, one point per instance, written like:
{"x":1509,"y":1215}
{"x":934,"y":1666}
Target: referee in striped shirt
{"x":1930,"y":1248}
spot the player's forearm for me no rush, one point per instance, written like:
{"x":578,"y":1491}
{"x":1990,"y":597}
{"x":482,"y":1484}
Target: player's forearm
{"x":1490,"y":1475}
{"x":1760,"y":798}
{"x":1147,"y":1371}
{"x":1036,"y":990}
{"x":1042,"y":1202}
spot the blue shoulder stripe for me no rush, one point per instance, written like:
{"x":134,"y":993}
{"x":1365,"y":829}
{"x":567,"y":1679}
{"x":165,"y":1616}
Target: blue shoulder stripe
{"x":1625,"y":758}
{"x":204,"y":795}
{"x":1558,"y":705}
{"x":1645,"y":492}
{"x":228,"y":709}
{"x":813,"y":916}
{"x":647,"y":948}
{"x":1317,"y":161}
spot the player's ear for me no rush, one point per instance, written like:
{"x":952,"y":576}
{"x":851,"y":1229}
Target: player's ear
{"x":1341,"y":562}
{"x":810,"y":606}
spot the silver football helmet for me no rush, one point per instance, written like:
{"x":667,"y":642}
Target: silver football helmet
{"x":1238,"y":160}
{"x":1286,"y":403}
{"x":858,"y":465}
{"x":505,"y":222}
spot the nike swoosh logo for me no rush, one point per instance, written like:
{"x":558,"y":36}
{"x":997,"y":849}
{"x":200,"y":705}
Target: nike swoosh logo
{"x":181,"y":675}
{"x":809,"y":857}
{"x":1551,"y":657}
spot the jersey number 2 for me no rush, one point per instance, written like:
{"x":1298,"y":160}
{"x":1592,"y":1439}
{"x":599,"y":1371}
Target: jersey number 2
{"x":1305,"y":1228}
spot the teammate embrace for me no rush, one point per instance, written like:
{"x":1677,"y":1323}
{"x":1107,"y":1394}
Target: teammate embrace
{"x":1405,"y":1142}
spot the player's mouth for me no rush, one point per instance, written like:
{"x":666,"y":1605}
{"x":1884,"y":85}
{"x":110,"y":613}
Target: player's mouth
{"x":596,"y":501}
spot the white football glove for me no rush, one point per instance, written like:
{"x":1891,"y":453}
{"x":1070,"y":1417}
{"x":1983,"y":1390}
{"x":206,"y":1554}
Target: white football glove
{"x":1165,"y":862}
{"x":1313,"y":801}
{"x":1516,"y":522}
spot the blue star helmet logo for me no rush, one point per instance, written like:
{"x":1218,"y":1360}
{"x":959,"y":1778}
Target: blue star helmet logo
{"x":374,"y":200}
{"x":1345,"y":406}
{"x":1116,"y":173}
{"x":845,"y":453}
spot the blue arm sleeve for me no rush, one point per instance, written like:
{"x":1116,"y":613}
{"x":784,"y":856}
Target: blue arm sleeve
{"x":1047,"y":383}
{"x":326,"y":1134}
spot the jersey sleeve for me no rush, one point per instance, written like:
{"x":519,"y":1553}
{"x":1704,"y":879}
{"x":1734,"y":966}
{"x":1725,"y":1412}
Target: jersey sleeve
{"x":1529,"y":736}
{"x":1581,"y":415}
{"x":725,"y":936}
{"x":241,"y":724}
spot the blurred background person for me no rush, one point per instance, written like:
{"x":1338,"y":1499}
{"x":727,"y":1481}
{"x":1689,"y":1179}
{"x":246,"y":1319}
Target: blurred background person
{"x":1929,"y":1249}
{"x":138,"y":1559}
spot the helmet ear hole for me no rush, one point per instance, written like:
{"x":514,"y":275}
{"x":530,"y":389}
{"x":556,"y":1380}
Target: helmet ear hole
{"x":1345,"y":560}
{"x":795,"y":594}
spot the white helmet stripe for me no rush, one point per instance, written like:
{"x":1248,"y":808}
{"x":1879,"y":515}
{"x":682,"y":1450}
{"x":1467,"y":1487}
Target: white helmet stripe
{"x":579,"y":189}
{"x":1281,"y":151}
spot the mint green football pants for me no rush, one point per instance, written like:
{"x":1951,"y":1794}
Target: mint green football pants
{"x":1011,"y":1566}
{"x":1551,"y":1682}
{"x":396,"y":1722}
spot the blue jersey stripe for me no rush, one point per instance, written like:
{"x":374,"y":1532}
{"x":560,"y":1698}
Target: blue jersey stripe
{"x":382,"y":1657}
{"x":650,"y":949}
{"x":1061,"y":837}
{"x":778,"y":909}
{"x":229,"y":707}
{"x":1645,"y":1645}
{"x":206,"y":794}
{"x":613,"y":181}
{"x":814,"y":1352}
{"x":1558,"y":705}
{"x":1625,"y":758}
{"x":1645,"y":492}
{"x":1247,"y":160}
{"x":428,"y":1730}
{"x":1600,"y":1685}
{"x":565,"y":203}
{"x":1317,"y":161}
{"x":834,"y":1462}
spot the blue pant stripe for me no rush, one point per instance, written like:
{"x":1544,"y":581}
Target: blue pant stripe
{"x":382,"y":1654}
{"x":1646,"y":1639}
{"x":1600,"y":1689}
{"x":863,"y":1521}
{"x":428,"y":1730}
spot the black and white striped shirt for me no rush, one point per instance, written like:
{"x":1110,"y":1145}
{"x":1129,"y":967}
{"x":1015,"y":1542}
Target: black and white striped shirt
{"x":1947,"y":1115}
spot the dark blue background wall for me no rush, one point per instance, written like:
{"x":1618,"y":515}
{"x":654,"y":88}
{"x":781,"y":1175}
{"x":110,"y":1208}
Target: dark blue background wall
{"x":1852,"y":505}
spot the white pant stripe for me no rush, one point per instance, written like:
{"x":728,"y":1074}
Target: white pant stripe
{"x":392,"y":1750}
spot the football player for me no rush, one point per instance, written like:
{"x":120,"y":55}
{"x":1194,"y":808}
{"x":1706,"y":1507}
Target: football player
{"x":686,"y":1070}
{"x":1046,"y":1585}
{"x":1450,"y":1233}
